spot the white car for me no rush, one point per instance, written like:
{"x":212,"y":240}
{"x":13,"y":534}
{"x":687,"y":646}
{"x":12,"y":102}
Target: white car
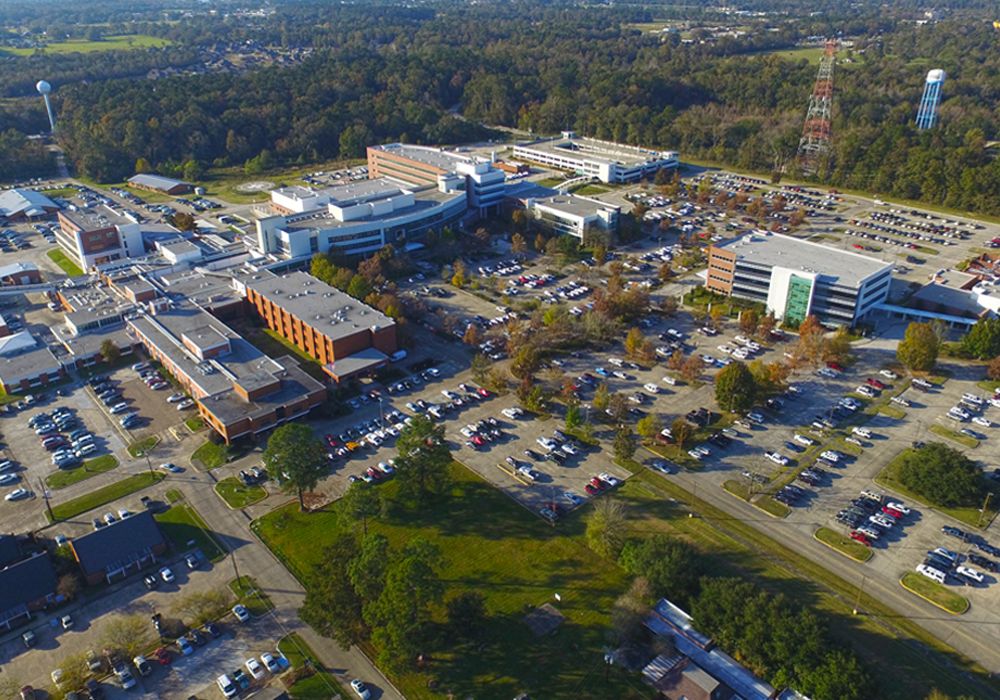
{"x":608,"y":479}
{"x":270,"y":663}
{"x":854,"y":441}
{"x":777,"y":458}
{"x":883,"y":521}
{"x":862,"y":432}
{"x":888,"y":374}
{"x":830,"y":456}
{"x":985,"y":422}
{"x":166,"y":574}
{"x":17,"y":494}
{"x":512,"y":412}
{"x":978,"y":400}
{"x":896,"y":505}
{"x":254,"y":668}
{"x":359,"y":687}
{"x":185,"y":404}
{"x":970,"y":573}
{"x":900,"y":400}
{"x":696,"y":455}
{"x":174,"y":398}
{"x":708,"y":359}
{"x":865,"y":390}
{"x":804,"y":440}
{"x":651,"y":388}
{"x":241,"y":613}
{"x":547,"y":443}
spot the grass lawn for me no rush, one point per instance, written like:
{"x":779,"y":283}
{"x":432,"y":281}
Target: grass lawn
{"x":590,"y":189}
{"x":772,"y":507}
{"x":955,"y":436}
{"x":173,"y":496}
{"x":255,"y":600}
{"x":906,"y":659}
{"x":142,"y":447}
{"x":273,"y":345}
{"x":675,"y":454}
{"x":64,"y":263}
{"x":844,"y":545}
{"x":185,"y":529}
{"x":990,"y":385}
{"x":105,"y":494}
{"x":320,"y":685}
{"x":892,"y":410}
{"x":551,"y":182}
{"x":60,"y":192}
{"x":812,"y":54}
{"x":210,"y":454}
{"x":123,"y":42}
{"x":238,"y":495}
{"x":970,"y":515}
{"x":195,"y":424}
{"x":224,"y":183}
{"x":737,"y":488}
{"x":517,"y":562}
{"x":934,"y":593}
{"x":90,"y":467}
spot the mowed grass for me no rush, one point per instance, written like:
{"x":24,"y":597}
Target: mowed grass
{"x":143,"y":447}
{"x":121,"y":42}
{"x":247,"y":591}
{"x":210,"y":454}
{"x":934,"y":593}
{"x":906,"y":659}
{"x":955,"y":436}
{"x":238,"y":495}
{"x":105,"y":494}
{"x":970,"y":515}
{"x":91,"y":467}
{"x":64,"y":263}
{"x":843,"y":544}
{"x":493,"y":546}
{"x":317,"y":686}
{"x":183,"y":526}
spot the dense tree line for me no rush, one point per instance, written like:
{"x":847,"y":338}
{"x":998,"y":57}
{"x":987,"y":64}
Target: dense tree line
{"x":23,"y":158}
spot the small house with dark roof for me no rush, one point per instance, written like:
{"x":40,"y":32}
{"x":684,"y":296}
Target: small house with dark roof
{"x":26,"y":586}
{"x":121,"y":548}
{"x":10,"y":549}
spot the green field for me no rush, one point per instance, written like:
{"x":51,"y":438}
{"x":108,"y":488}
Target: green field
{"x":185,"y":529}
{"x":517,"y":562}
{"x":238,"y":495}
{"x":843,"y":544}
{"x":317,"y":686}
{"x":91,"y":467}
{"x":195,"y":424}
{"x":105,"y":494}
{"x":970,"y":515}
{"x":123,"y":42}
{"x":934,"y":593}
{"x":210,"y":455}
{"x":64,"y":263}
{"x":590,"y":190}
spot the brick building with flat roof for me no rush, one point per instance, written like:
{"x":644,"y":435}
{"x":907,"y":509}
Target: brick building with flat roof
{"x":346,"y":336}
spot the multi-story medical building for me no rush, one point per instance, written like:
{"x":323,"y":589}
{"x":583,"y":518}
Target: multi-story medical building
{"x":606,"y":161}
{"x":796,"y":278}
{"x":91,"y":237}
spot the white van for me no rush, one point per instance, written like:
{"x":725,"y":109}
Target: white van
{"x":227,"y":687}
{"x":669,"y":380}
{"x":930,"y":572}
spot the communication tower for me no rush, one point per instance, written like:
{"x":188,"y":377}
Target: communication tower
{"x":814,"y":145}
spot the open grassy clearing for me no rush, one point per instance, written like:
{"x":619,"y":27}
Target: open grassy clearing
{"x":210,"y":455}
{"x":517,"y":562}
{"x":884,"y":639}
{"x":551,"y":182}
{"x":185,"y":529}
{"x":934,"y":593}
{"x":238,"y":495}
{"x":225,"y":183}
{"x":320,"y":685}
{"x":105,"y":494}
{"x":970,"y":515}
{"x":121,"y":42}
{"x":64,"y":263}
{"x":844,"y":545}
{"x":144,"y":446}
{"x":91,"y":467}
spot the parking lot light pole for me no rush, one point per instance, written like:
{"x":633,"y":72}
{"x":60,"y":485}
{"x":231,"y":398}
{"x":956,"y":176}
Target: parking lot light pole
{"x":149,"y":465}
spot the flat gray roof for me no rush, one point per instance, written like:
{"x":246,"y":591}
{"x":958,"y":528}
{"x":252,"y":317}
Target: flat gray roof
{"x":576,"y":206}
{"x":160,"y":182}
{"x":207,"y":291}
{"x":596,"y":151}
{"x":295,"y":384}
{"x":424,"y":199}
{"x":324,"y":308}
{"x":101,"y":216}
{"x":363,"y":190}
{"x":776,"y":250}
{"x":28,"y":364}
{"x":358,"y":362}
{"x":435,"y":157}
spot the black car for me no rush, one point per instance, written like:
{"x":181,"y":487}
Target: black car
{"x":956,"y":532}
{"x":213,"y":629}
{"x":980,"y":560}
{"x":938,"y":562}
{"x":94,"y":689}
{"x":988,"y":548}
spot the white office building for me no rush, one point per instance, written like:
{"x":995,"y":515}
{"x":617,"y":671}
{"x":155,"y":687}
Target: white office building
{"x":603,"y":160}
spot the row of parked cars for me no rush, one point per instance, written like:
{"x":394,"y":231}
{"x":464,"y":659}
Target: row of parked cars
{"x":872,"y":515}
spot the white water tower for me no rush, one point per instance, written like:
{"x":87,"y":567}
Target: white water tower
{"x":44,"y":89}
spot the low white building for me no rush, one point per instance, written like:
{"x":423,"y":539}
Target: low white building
{"x":606,"y":161}
{"x":573,"y":215}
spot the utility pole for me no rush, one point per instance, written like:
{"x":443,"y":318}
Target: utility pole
{"x":857,"y":603}
{"x":986,"y":503}
{"x":45,"y":495}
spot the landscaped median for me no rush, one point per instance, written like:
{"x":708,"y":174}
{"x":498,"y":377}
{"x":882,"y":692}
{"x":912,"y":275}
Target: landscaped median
{"x":238,"y":495}
{"x":105,"y":494}
{"x":249,"y":594}
{"x":844,"y":545}
{"x":955,"y":436}
{"x":763,"y":502}
{"x":934,"y":593}
{"x":210,"y":455}
{"x":91,"y":467}
{"x":307,"y":680}
{"x":144,"y":446}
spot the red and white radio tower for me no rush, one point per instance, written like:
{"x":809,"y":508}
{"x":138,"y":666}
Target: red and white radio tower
{"x":815,"y":142}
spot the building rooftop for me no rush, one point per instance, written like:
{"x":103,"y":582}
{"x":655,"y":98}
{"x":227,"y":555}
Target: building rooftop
{"x":24,"y":201}
{"x":118,"y":542}
{"x":205,"y":290}
{"x":597,"y":151}
{"x":423,"y":199}
{"x":363,"y":191}
{"x":16,"y":343}
{"x":574,"y":206}
{"x":94,"y":218}
{"x":159,"y":182}
{"x":295,"y":385}
{"x":324,"y":308}
{"x":358,"y":362}
{"x":26,"y":581}
{"x":439,"y":158}
{"x":831,"y":264}
{"x":17,"y":268}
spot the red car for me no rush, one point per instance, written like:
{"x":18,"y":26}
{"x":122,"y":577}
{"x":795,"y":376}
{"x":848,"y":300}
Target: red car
{"x":484,"y":393}
{"x":478,"y":440}
{"x":892,"y":512}
{"x":874,"y":383}
{"x":374,"y":473}
{"x":835,"y":365}
{"x":163,"y":656}
{"x":590,"y":489}
{"x":860,"y":537}
{"x":597,"y":483}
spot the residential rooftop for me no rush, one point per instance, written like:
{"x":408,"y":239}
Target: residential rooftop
{"x":830,"y":264}
{"x":325,"y":308}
